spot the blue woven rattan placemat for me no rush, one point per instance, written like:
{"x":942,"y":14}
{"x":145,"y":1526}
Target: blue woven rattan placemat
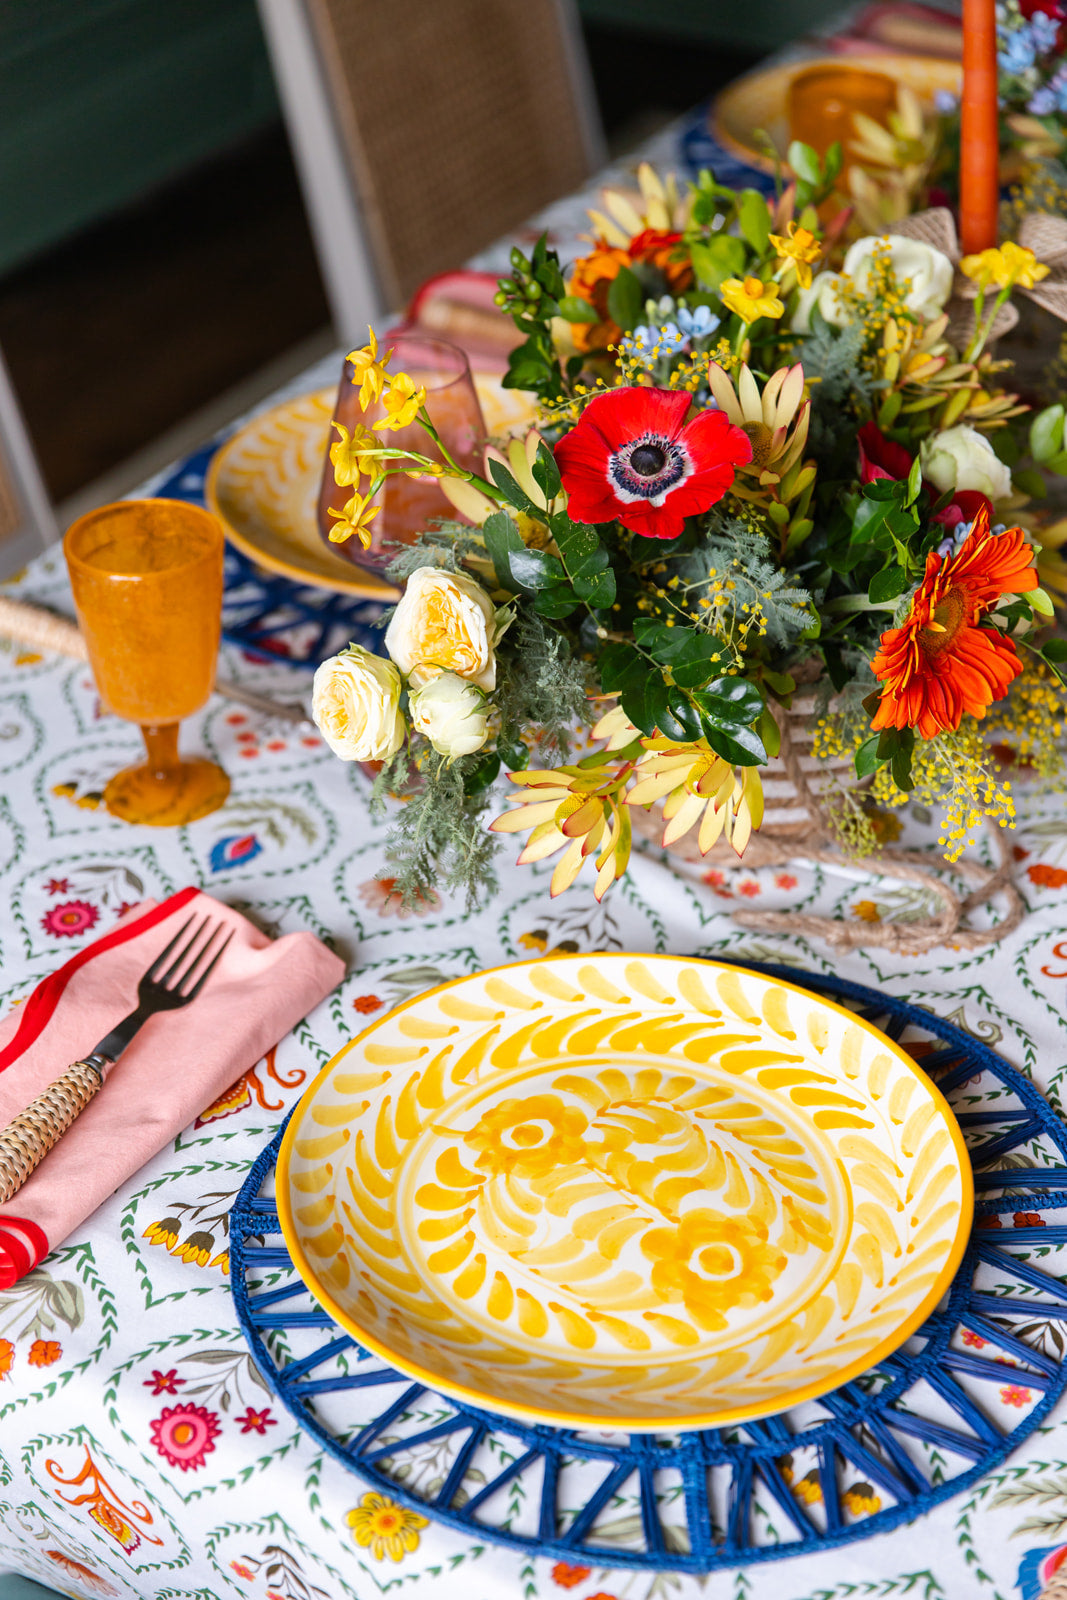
{"x":976,"y":1379}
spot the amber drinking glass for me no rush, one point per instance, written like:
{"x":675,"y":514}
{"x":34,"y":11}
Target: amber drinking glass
{"x":147,"y":581}
{"x":408,"y":504}
{"x":823,"y":99}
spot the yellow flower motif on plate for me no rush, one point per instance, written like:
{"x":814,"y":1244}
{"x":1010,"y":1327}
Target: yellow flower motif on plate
{"x":384,"y":1527}
{"x":528,"y":1137}
{"x":712,"y":1263}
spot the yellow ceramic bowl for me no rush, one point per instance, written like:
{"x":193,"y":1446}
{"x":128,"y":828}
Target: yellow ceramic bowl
{"x":625,"y":1192}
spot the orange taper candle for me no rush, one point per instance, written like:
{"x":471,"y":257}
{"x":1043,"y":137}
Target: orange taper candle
{"x":979,"y":128}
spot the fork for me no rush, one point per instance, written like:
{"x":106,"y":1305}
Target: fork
{"x":25,"y":1142}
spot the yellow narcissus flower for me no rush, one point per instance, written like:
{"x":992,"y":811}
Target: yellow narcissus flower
{"x":800,"y":247}
{"x":353,"y":454}
{"x":750,"y":298}
{"x":369,"y":372}
{"x":1006,"y":266}
{"x":403,"y":400}
{"x":354,"y":518}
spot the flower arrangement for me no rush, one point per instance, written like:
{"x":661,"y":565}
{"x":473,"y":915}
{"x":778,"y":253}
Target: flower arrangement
{"x":762,"y":457}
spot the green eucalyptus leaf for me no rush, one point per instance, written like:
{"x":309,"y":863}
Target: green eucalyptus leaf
{"x":572,"y":308}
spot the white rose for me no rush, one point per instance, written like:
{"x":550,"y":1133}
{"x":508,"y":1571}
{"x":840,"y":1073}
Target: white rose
{"x":928,"y":271}
{"x":822,"y":293}
{"x":355,"y":701}
{"x":963,"y":458}
{"x":444,"y":623}
{"x":451,"y":712}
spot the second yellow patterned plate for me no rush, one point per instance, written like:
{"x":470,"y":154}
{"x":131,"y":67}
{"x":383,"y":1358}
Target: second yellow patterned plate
{"x":263,"y":485}
{"x":625,"y":1192}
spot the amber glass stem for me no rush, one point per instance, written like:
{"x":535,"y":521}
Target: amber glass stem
{"x":162,"y":745}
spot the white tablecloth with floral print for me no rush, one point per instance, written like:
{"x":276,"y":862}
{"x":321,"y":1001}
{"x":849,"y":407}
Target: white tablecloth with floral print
{"x":140,"y":1453}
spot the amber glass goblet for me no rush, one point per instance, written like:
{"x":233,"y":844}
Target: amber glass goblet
{"x":823,"y":99}
{"x":147,"y":581}
{"x":408,"y":504}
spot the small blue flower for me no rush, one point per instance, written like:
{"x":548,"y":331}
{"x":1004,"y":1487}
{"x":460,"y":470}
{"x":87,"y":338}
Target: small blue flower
{"x":1042,"y":103}
{"x":1016,"y":51}
{"x":234,"y":850}
{"x":945,"y":101}
{"x":698,"y":324}
{"x":1044,"y":31}
{"x":649,"y":344}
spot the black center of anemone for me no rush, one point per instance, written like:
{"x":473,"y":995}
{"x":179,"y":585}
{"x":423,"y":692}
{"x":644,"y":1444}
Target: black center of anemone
{"x":648,"y":460}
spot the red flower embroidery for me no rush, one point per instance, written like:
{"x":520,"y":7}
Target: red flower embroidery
{"x":256,"y":1421}
{"x":1014,"y":1395}
{"x":975,"y":1340}
{"x":164,"y":1382}
{"x":750,"y":888}
{"x":784,"y":880}
{"x":69,"y":919}
{"x":185,"y":1434}
{"x":633,"y":457}
{"x":1047,"y":877}
{"x":569,"y":1577}
{"x":242,"y":1571}
{"x":57,"y":886}
{"x":366,"y":1003}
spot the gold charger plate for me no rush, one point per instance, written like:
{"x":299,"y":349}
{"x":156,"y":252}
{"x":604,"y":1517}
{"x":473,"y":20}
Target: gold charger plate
{"x":625,"y":1192}
{"x":759,"y":100}
{"x":263,"y":485}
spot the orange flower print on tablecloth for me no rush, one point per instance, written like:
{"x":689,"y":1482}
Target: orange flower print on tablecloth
{"x":1013,"y":1394}
{"x":76,"y":1572}
{"x":242,"y":1571}
{"x":528,"y":1137}
{"x":569,"y":1577}
{"x":185,"y":1435}
{"x":7,"y":1357}
{"x":784,"y":880}
{"x":382,"y":896}
{"x":1047,"y":877}
{"x":366,"y":1003}
{"x":104,"y":1505}
{"x":44,"y":1353}
{"x":975,"y":1340}
{"x":385,"y":1528}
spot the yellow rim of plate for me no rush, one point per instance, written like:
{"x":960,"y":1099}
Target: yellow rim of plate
{"x":565,"y":1419}
{"x":751,"y":155}
{"x":366,"y":587}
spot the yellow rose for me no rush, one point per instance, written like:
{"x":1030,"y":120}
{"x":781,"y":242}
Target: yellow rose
{"x":445,"y":622}
{"x":355,"y":701}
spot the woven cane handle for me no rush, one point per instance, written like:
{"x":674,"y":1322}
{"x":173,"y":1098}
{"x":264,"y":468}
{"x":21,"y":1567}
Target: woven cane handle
{"x":25,"y":1142}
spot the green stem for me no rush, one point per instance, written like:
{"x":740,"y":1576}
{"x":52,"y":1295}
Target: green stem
{"x":982,"y":332}
{"x":857,"y":602}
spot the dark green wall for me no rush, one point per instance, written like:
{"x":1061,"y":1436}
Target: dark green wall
{"x":101,"y":100}
{"x":755,"y":25}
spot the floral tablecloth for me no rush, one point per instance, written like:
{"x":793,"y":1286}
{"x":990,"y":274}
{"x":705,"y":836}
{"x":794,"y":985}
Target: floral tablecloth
{"x":140,"y":1453}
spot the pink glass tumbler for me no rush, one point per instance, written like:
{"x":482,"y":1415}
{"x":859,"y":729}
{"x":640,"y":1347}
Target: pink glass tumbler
{"x":408,"y":504}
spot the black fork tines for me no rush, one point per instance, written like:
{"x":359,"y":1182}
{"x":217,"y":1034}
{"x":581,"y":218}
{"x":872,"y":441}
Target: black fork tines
{"x":173,"y":980}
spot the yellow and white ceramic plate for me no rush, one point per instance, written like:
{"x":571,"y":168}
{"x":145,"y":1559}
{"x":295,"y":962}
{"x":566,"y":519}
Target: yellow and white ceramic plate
{"x":758,"y":101}
{"x":263,"y":484}
{"x":626,"y":1192}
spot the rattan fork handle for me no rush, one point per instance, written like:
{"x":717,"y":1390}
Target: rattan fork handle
{"x":25,"y":1142}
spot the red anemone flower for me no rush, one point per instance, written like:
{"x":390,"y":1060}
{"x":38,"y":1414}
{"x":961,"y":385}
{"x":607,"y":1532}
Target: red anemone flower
{"x":941,"y":663}
{"x":634,"y":458}
{"x":881,"y":457}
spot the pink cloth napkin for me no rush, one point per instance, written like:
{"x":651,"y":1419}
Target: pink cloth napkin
{"x":177,"y":1065}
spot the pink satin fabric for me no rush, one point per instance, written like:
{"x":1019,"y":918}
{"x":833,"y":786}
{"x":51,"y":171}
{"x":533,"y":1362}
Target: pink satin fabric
{"x":177,"y":1065}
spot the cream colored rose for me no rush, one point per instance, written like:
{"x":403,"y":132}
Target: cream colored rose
{"x":355,"y":701}
{"x":928,"y":273}
{"x":822,"y":293}
{"x":963,"y":458}
{"x":451,"y":712}
{"x":444,"y":623}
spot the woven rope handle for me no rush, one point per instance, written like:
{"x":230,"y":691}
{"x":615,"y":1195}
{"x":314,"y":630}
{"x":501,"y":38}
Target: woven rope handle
{"x":25,"y":1142}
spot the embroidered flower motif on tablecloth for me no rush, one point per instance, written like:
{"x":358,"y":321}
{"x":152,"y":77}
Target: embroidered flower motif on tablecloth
{"x":1013,"y":1394}
{"x":164,"y":1382}
{"x":7,"y":1357}
{"x":382,"y":896}
{"x":256,"y":1421}
{"x":185,"y":1435}
{"x":66,"y":921}
{"x":384,"y":1527}
{"x":44,"y":1352}
{"x":567,"y":1576}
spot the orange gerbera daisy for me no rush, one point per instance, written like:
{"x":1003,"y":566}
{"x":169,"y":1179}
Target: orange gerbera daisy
{"x":940,"y":663}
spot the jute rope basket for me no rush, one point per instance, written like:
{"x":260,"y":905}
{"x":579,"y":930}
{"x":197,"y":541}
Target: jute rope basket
{"x":796,"y":827}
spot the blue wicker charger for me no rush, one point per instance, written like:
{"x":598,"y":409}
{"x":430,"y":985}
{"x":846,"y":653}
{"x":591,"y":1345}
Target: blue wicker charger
{"x":920,"y":1427}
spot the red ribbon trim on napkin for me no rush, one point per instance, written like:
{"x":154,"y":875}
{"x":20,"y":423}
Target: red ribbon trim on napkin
{"x":22,"y":1245}
{"x":40,"y":1007}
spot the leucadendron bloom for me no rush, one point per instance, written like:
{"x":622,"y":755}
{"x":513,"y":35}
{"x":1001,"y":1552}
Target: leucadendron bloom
{"x":445,"y":622}
{"x":452,"y":713}
{"x":355,"y":701}
{"x":963,"y":458}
